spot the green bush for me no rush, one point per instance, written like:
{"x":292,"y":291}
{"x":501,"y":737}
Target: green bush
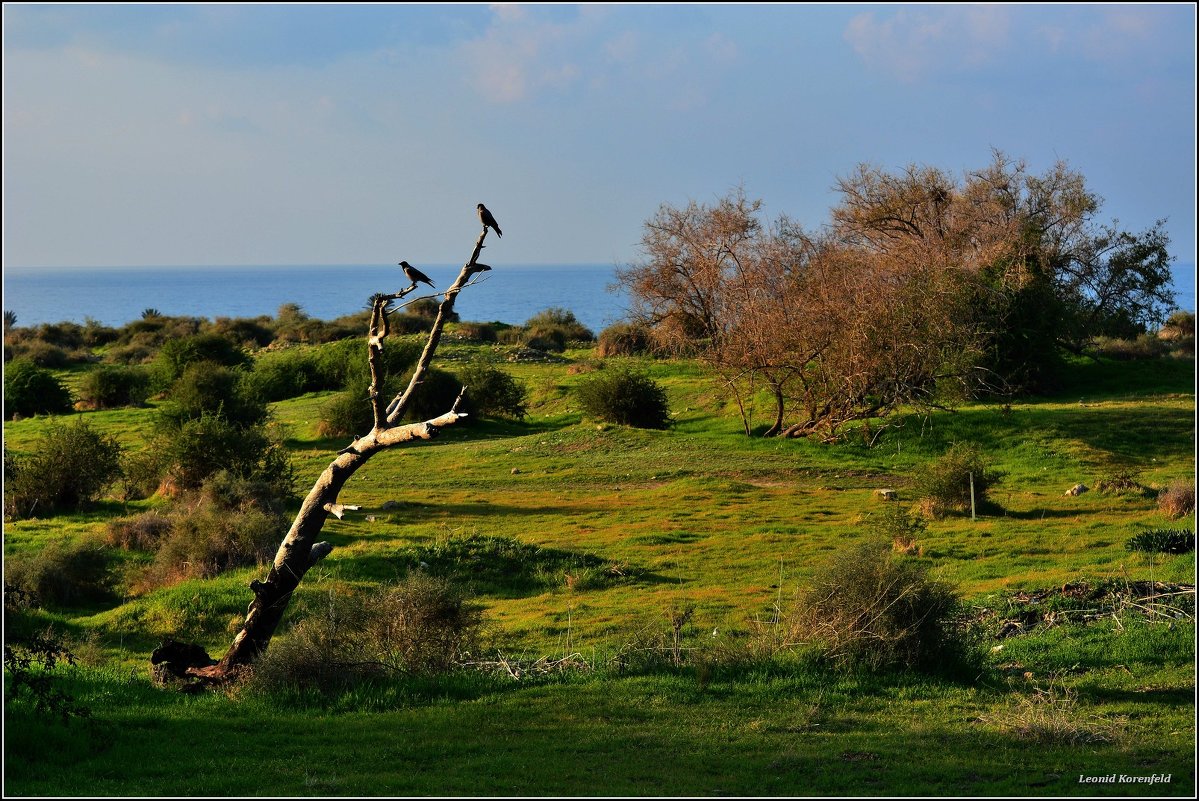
{"x":111,"y":387}
{"x":347,"y":414}
{"x":625,"y":397}
{"x":868,"y":607}
{"x":1162,"y":540}
{"x":70,"y":466}
{"x":434,"y":396}
{"x":427,"y":309}
{"x":208,"y":388}
{"x":493,"y":393}
{"x":562,"y":320}
{"x":199,"y":448}
{"x":245,"y":331}
{"x":477,"y":332}
{"x":624,"y":339}
{"x":62,"y":572}
{"x":30,"y":390}
{"x":945,"y":483}
{"x":176,"y":355}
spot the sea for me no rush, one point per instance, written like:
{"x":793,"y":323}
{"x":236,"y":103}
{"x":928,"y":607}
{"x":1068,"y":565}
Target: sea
{"x":115,"y":296}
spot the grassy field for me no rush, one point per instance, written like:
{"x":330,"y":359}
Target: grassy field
{"x":629,"y":525}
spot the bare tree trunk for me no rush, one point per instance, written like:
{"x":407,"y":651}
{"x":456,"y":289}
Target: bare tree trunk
{"x":300,"y":549}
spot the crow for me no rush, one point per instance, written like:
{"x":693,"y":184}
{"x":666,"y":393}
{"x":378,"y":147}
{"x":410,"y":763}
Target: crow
{"x":488,"y":220}
{"x":415,"y":275}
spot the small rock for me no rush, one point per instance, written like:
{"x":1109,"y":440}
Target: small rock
{"x":1077,"y":489}
{"x":390,"y":505}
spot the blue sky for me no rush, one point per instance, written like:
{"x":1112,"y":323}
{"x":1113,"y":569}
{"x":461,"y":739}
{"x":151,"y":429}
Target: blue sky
{"x":305,"y":134}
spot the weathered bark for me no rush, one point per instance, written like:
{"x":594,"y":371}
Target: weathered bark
{"x":300,"y":549}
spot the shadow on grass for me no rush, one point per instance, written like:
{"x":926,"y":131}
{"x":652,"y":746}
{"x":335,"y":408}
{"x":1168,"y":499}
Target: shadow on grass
{"x":502,"y":567}
{"x":474,"y":430}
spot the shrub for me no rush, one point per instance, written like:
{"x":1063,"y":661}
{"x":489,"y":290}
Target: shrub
{"x":1145,"y":346}
{"x":69,"y":468}
{"x":477,"y":332}
{"x":30,"y":390}
{"x":419,"y":625}
{"x":244,"y":331}
{"x":1177,"y":500}
{"x":204,"y":446}
{"x":945,"y":484}
{"x":435,"y":395}
{"x":427,"y":309}
{"x":493,"y":393}
{"x":624,"y":397}
{"x":563,"y":320}
{"x":895,"y":525}
{"x":545,"y":338}
{"x":210,"y":539}
{"x":176,"y":355}
{"x":208,"y":388}
{"x":43,"y":354}
{"x":113,"y":387}
{"x":624,"y":339}
{"x":62,"y":572}
{"x":868,"y":607}
{"x":347,"y":414}
{"x":1162,"y":540}
{"x":141,"y":532}
{"x":1120,"y":482}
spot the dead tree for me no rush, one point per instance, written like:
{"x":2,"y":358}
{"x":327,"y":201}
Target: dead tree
{"x":300,"y":549}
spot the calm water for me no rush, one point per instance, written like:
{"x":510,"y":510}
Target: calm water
{"x":511,"y":294}
{"x":116,"y":296}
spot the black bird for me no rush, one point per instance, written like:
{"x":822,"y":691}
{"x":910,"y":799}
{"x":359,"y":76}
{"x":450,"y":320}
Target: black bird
{"x":488,"y":220}
{"x":415,"y":275}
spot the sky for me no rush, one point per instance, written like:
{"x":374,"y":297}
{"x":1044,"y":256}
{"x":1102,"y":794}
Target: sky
{"x":194,"y":134}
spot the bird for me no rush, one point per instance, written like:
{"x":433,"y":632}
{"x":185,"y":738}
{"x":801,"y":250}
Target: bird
{"x":480,"y":267}
{"x":488,"y":220}
{"x":415,"y":275}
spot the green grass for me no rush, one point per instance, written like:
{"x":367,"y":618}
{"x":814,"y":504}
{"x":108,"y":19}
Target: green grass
{"x":578,"y":536}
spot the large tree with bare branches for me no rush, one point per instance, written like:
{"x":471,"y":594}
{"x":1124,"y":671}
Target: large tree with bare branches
{"x":922,"y":289}
{"x":300,"y":549}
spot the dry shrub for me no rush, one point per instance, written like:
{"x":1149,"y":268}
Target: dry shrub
{"x":142,"y":532}
{"x":868,"y":607}
{"x":64,"y":572}
{"x":1051,"y":715}
{"x":1177,"y":500}
{"x":1120,"y":482}
{"x":945,"y":484}
{"x":211,"y":540}
{"x":422,"y":624}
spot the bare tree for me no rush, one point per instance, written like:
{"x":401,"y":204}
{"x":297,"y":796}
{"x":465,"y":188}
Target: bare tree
{"x":300,"y":549}
{"x":835,"y":329}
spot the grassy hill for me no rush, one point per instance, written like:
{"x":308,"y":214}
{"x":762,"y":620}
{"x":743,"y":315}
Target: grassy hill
{"x":606,"y":534}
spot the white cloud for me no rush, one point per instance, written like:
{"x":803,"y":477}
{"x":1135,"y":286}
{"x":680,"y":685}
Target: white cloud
{"x":911,"y":44}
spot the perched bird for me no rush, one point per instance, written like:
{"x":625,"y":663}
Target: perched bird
{"x":415,"y":275}
{"x":481,"y":268}
{"x":488,"y":220}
